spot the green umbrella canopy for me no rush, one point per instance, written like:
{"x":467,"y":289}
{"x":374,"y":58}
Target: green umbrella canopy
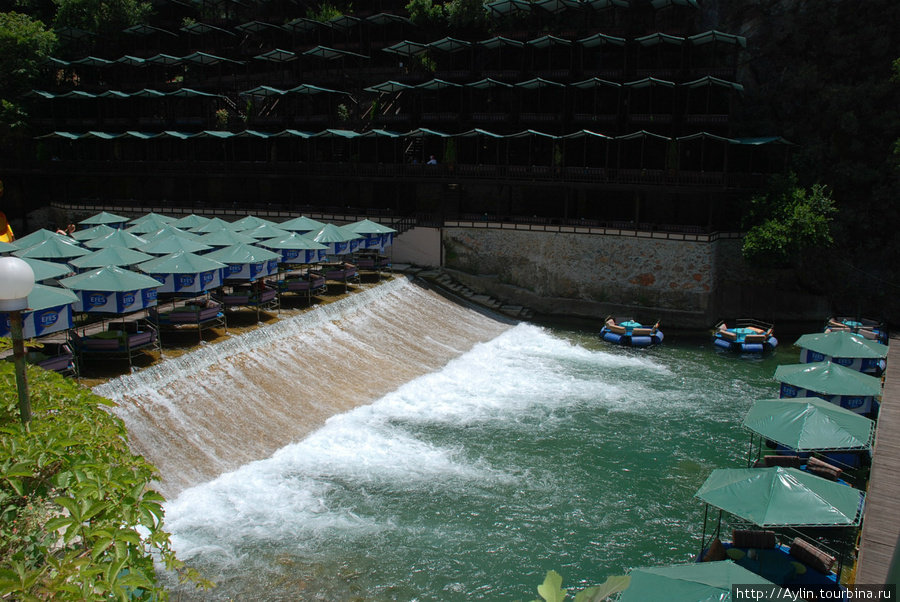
{"x":809,"y":424}
{"x":117,"y":238}
{"x":331,"y":233}
{"x":843,"y":344}
{"x":52,"y":248}
{"x":103,"y":218}
{"x":189,"y":222}
{"x":225,"y":238}
{"x":291,"y":241}
{"x":119,"y":256}
{"x":36,"y":237}
{"x":168,"y":231}
{"x":696,"y":582}
{"x":301,"y":224}
{"x":111,"y":279}
{"x":242,"y":253}
{"x":180,"y":262}
{"x":782,"y":497}
{"x":149,"y":226}
{"x":172,"y":244}
{"x":152,"y":219}
{"x":7,"y":247}
{"x":45,"y":270}
{"x":828,"y":378}
{"x":92,"y":233}
{"x":265,"y":231}
{"x":216,"y":224}
{"x":44,"y":297}
{"x":367,"y":226}
{"x":251,"y":221}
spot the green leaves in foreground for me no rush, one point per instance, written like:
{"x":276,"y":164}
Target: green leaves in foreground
{"x":552,"y":591}
{"x":78,"y":518}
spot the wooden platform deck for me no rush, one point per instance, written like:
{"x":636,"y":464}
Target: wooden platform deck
{"x":881,"y":527}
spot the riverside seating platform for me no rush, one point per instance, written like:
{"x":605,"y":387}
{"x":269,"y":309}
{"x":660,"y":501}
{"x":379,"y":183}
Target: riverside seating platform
{"x":121,"y":340}
{"x":196,"y":314}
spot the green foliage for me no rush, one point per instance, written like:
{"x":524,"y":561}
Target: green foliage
{"x":326,"y":12}
{"x":788,"y":219}
{"x":425,"y":13}
{"x":552,"y":591}
{"x":78,"y":520}
{"x":466,"y":13}
{"x":222,"y":118}
{"x":24,"y":44}
{"x":105,"y":17}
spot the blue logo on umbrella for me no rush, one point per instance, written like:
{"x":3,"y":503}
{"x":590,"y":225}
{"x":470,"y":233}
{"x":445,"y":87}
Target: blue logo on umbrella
{"x":97,"y":300}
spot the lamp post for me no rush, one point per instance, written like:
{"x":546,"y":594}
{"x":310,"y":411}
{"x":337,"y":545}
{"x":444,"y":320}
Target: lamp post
{"x":16,"y":283}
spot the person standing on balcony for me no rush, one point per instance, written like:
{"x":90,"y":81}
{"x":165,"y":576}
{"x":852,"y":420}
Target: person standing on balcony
{"x":432,"y":161}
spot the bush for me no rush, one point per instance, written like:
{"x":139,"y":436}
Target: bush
{"x":78,"y":519}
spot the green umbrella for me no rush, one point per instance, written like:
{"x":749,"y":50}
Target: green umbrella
{"x":37,"y":237}
{"x":829,"y":378}
{"x":225,"y":238}
{"x":7,"y":247}
{"x":264,"y":231}
{"x":782,"y":497}
{"x":118,"y":256}
{"x":103,"y":218}
{"x":216,"y":224}
{"x":242,"y":253}
{"x":189,"y":222}
{"x":117,"y":238}
{"x":45,"y":297}
{"x":842,"y":344}
{"x":251,"y":221}
{"x":367,"y":226}
{"x":168,"y":231}
{"x":291,"y":241}
{"x":172,"y":244}
{"x":696,"y":582}
{"x":53,"y":248}
{"x":180,"y":262}
{"x":301,"y":224}
{"x":152,"y":219}
{"x":110,"y":279}
{"x":92,"y":233}
{"x":809,"y":424}
{"x":46,"y":270}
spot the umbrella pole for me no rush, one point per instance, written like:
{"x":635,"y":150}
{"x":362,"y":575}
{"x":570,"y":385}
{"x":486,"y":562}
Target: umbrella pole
{"x":703,"y":533}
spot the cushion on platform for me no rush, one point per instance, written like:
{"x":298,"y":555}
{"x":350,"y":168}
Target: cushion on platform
{"x":760,"y":540}
{"x":715,"y":552}
{"x":812,"y":556}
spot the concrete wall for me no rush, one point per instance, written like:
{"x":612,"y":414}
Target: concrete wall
{"x":588,"y":275}
{"x":418,"y":246}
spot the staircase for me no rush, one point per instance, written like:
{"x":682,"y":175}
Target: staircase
{"x":447,"y":283}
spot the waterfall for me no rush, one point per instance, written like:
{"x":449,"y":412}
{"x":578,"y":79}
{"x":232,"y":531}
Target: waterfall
{"x":227,"y":404}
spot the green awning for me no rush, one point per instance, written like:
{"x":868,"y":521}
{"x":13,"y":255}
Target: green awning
{"x":499,"y":41}
{"x":424,"y":133}
{"x":504,"y":7}
{"x":782,"y":497}
{"x":537,"y":82}
{"x":600,"y":39}
{"x":488,"y":83}
{"x":714,"y":81}
{"x":132,"y":61}
{"x":527,"y":133}
{"x":323,"y":52}
{"x":649,"y":81}
{"x":387,"y":18}
{"x":201,"y":28}
{"x":164,"y":59}
{"x":263,"y":91}
{"x":809,"y":424}
{"x":842,"y":344}
{"x":277,"y":56}
{"x":143,"y":29}
{"x":478,"y":132}
{"x":118,"y":256}
{"x":180,"y":262}
{"x":659,"y":38}
{"x":167,"y":231}
{"x":449,"y":44}
{"x":38,"y":236}
{"x":547,"y":41}
{"x":596,"y":82}
{"x":110,"y":279}
{"x":718,"y":36}
{"x":829,"y":378}
{"x":438,"y":84}
{"x":695,"y":582}
{"x":202,"y":58}
{"x":388,"y":87}
{"x":406,"y":48}
{"x":309,"y":89}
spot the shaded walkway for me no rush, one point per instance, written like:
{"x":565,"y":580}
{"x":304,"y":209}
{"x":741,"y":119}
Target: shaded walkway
{"x":882,"y":520}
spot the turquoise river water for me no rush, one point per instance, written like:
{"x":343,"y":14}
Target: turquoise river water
{"x":541,"y":448}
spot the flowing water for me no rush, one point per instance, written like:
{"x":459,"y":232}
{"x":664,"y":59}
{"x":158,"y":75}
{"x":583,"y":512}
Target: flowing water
{"x":459,"y":474}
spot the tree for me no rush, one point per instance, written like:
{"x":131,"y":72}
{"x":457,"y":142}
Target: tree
{"x":25,"y":43}
{"x":788,"y":219}
{"x":104,"y":17}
